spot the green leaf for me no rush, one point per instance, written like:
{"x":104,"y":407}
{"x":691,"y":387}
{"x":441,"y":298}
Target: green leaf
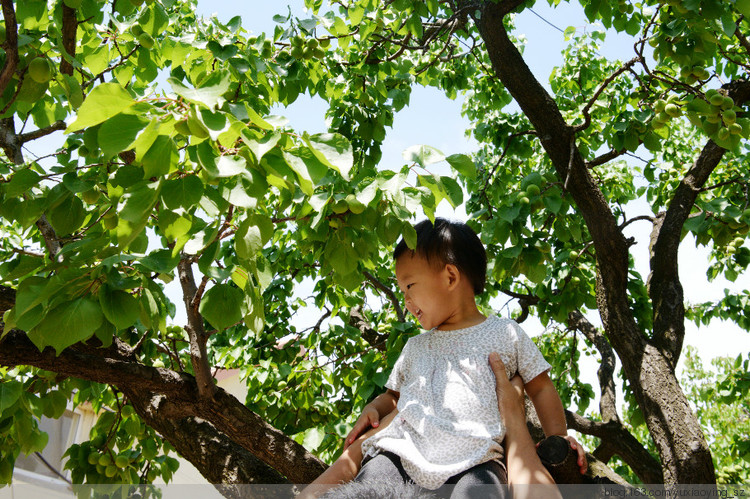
{"x":119,"y":132}
{"x":252,"y":234}
{"x":67,"y":216}
{"x":22,"y":181}
{"x":463,"y":164}
{"x":119,"y":307}
{"x":333,"y":150}
{"x":423,"y":155}
{"x":10,"y":392}
{"x":67,"y":324}
{"x":103,"y":102}
{"x":220,"y":306}
{"x":160,"y":157}
{"x":210,"y":93}
{"x":229,"y":166}
{"x":182,"y":192}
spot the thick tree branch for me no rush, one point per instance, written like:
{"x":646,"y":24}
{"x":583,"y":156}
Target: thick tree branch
{"x":194,"y":328}
{"x":42,"y":132}
{"x":10,"y":46}
{"x":665,"y":288}
{"x":172,"y":397}
{"x":605,"y":158}
{"x":623,"y":443}
{"x":608,"y":402}
{"x":69,"y":28}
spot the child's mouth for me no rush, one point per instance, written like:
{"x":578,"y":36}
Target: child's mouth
{"x":418,"y":313}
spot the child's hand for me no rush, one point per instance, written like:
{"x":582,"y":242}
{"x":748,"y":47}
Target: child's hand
{"x":582,"y":463}
{"x":369,"y":419}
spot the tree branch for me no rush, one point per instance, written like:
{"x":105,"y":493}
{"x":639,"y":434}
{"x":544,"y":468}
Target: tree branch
{"x":195,"y":329}
{"x":608,"y":401}
{"x":622,"y":443}
{"x":69,"y":28}
{"x":605,"y":158}
{"x":10,"y":46}
{"x":42,"y":132}
{"x":166,"y":398}
{"x":664,"y":285}
{"x":587,"y":108}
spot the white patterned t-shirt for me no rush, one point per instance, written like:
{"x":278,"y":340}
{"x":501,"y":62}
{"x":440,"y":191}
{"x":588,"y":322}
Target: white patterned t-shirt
{"x":448,"y":418}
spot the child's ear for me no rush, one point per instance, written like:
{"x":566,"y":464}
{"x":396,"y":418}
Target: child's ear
{"x":453,"y":275}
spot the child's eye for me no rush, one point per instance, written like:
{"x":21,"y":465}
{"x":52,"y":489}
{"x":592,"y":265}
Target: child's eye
{"x":408,"y":286}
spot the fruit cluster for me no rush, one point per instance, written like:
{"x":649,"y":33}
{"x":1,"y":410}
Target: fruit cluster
{"x":717,"y":116}
{"x":308,"y":49}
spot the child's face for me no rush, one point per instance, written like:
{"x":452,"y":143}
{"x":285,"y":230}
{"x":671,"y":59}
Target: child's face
{"x":425,"y":289}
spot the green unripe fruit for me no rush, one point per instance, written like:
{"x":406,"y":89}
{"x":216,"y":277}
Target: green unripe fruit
{"x":93,"y":458}
{"x":104,"y":459}
{"x":574,"y":255}
{"x":660,"y":105}
{"x":723,"y":134}
{"x":713,"y":118}
{"x":335,"y":223}
{"x":524,"y":200}
{"x":716,"y":99}
{"x":127,"y":411}
{"x":355,"y":205}
{"x":702,"y":74}
{"x":727,"y":103}
{"x":340,"y":207}
{"x":146,"y":41}
{"x":731,"y":250}
{"x":738,"y":241}
{"x":312,"y":43}
{"x":746,"y":214}
{"x":308,"y":53}
{"x":84,"y":152}
{"x":533,"y":190}
{"x":121,"y":461}
{"x":297,"y":42}
{"x":672,"y":110}
{"x":100,"y":469}
{"x":136,"y":30}
{"x":662,"y":117}
{"x":110,"y":471}
{"x":91,"y":196}
{"x":735,"y":129}
{"x":729,"y":116}
{"x":319,"y":53}
{"x":325,"y":42}
{"x":110,"y":222}
{"x":40,"y":70}
{"x":296,"y":52}
{"x":73,"y":4}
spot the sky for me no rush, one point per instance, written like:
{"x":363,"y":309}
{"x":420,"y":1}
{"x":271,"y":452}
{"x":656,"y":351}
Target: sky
{"x":543,"y":28}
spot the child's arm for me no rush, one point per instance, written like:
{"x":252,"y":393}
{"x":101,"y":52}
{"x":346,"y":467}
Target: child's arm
{"x":549,"y":408}
{"x":381,"y":405}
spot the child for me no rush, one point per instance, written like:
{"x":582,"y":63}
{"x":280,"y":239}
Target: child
{"x":448,"y":427}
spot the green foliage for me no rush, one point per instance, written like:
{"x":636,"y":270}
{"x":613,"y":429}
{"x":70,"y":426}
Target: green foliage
{"x":721,"y":399}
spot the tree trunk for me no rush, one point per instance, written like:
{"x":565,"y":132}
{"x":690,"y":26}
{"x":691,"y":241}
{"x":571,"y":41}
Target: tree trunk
{"x":673,"y":425}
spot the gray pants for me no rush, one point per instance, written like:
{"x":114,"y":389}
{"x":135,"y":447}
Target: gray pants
{"x":487,"y":480}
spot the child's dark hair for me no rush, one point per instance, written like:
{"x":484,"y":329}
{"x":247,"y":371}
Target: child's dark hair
{"x":450,"y":242}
